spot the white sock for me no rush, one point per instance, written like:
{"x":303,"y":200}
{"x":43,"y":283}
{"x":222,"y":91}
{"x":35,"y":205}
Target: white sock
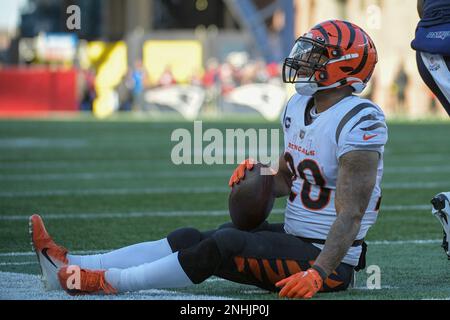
{"x":165,"y":273}
{"x":124,"y":258}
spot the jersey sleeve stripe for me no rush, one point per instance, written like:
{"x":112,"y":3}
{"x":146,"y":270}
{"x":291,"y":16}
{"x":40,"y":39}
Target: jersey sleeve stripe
{"x":369,"y":117}
{"x":375,"y":126}
{"x":369,"y":146}
{"x":349,"y":116}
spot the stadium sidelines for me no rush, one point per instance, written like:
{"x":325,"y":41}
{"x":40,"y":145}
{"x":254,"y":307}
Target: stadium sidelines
{"x":189,"y":190}
{"x":128,"y":215}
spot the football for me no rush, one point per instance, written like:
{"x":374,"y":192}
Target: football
{"x":252,"y":200}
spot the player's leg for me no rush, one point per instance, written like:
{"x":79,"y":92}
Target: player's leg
{"x":257,"y":258}
{"x":191,"y":265}
{"x":133,"y":255}
{"x":142,"y":253}
{"x":264,"y":258}
{"x":52,"y":256}
{"x":435,"y":72}
{"x":196,"y":257}
{"x":165,"y":273}
{"x":441,"y":210}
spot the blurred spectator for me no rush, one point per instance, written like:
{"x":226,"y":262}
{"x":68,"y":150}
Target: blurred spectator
{"x":87,"y":88}
{"x":433,"y":105}
{"x":125,"y":94}
{"x":274,"y":70}
{"x":261,"y":72}
{"x":211,"y":75}
{"x":196,"y":78}
{"x":400,"y":85}
{"x":167,"y":78}
{"x":139,"y":82}
{"x":210,"y":81}
{"x":227,"y":78}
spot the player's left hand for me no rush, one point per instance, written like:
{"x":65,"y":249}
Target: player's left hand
{"x":239,"y":173}
{"x":302,"y":285}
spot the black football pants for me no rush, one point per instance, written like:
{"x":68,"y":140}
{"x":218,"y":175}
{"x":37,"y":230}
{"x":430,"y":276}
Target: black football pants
{"x":261,"y":257}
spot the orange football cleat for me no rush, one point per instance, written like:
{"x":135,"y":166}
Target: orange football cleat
{"x":50,"y":256}
{"x":76,"y":281}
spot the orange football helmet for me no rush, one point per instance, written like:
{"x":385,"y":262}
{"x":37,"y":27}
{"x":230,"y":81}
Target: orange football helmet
{"x":333,"y":54}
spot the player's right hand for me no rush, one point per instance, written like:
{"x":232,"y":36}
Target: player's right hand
{"x":239,"y":173}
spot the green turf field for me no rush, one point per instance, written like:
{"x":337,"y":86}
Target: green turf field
{"x":104,"y":185}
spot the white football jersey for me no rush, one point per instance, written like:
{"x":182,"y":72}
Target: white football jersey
{"x":313,"y":151}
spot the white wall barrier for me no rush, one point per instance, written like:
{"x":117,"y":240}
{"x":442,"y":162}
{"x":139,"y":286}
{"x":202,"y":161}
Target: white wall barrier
{"x":266,"y":99}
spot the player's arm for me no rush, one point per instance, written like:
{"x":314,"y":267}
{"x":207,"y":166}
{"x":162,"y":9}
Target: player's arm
{"x":420,"y":4}
{"x":356,"y":181}
{"x":283,"y":179}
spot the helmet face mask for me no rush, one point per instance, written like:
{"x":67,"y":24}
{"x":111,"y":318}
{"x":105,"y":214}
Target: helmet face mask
{"x":306,"y":59}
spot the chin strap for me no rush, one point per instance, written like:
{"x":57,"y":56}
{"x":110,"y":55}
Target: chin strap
{"x":356,"y":84}
{"x":310,"y":88}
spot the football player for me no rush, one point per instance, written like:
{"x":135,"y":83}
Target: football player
{"x":432,"y":43}
{"x":331,"y":173}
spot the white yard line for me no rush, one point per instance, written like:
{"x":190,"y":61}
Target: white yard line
{"x":25,"y":143}
{"x":26,"y":263}
{"x":31,"y":253}
{"x":20,"y":164}
{"x":60,"y":176}
{"x":89,"y":216}
{"x":129,"y":215}
{"x":119,"y":191}
{"x":382,"y":288}
{"x":402,"y":242}
{"x":374,"y":243}
{"x":67,"y":164}
{"x":187,"y":190}
{"x":18,"y":286}
{"x":113,"y":175}
{"x":415,"y":185}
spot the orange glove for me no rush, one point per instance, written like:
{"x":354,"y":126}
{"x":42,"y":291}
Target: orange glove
{"x":303,"y":285}
{"x":239,"y":173}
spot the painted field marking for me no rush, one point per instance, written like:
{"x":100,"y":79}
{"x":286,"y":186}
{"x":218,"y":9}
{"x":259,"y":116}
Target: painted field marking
{"x":186,"y":190}
{"x":215,"y":213}
{"x":18,"y":286}
{"x":376,"y":243}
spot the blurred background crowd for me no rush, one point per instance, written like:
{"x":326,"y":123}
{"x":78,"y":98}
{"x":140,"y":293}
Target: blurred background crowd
{"x":190,"y":57}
